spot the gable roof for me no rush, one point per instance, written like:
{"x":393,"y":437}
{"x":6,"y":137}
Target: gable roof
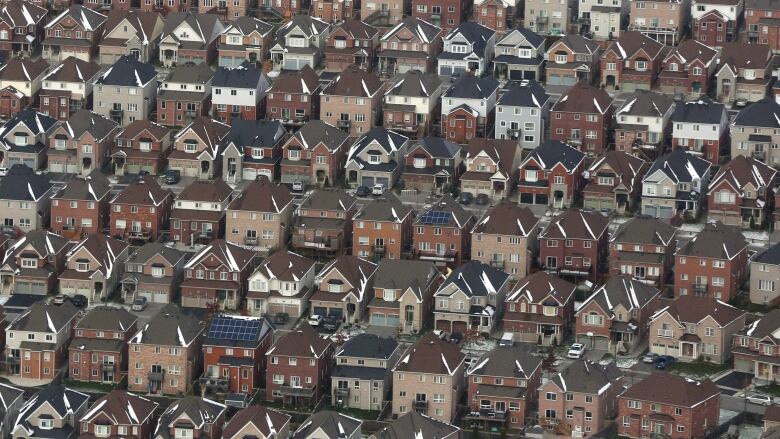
{"x":262,"y":196}
{"x":8,"y":396}
{"x":414,"y":83}
{"x":243,"y":76}
{"x":679,"y":166}
{"x":354,"y":81}
{"x":63,"y":400}
{"x":267,"y":420}
{"x":285,"y":266}
{"x":458,"y":216}
{"x":232,"y":256}
{"x":93,"y":187}
{"x":87,"y":18}
{"x":576,"y":224}
{"x":716,"y":241}
{"x":527,"y":93}
{"x":667,"y":388}
{"x":766,"y":326}
{"x":23,"y":184}
{"x":694,"y":309}
{"x":473,"y":32}
{"x":437,"y":147}
{"x":73,"y":70}
{"x":585,"y":376}
{"x":188,"y":73}
{"x":472,"y":87}
{"x":172,"y":326}
{"x":625,"y":166}
{"x":741,"y":171}
{"x":205,"y":190}
{"x":356,"y":29}
{"x":247,"y":332}
{"x":211,"y":132}
{"x":769,"y":256}
{"x":44,"y":242}
{"x":736,"y":56}
{"x":157,"y":131}
{"x":645,"y":230}
{"x":303,"y":342}
{"x":36,"y":123}
{"x":22,"y":69}
{"x":149,"y":250}
{"x":385,"y":208}
{"x":630,"y":43}
{"x":309,"y":25}
{"x":254,"y":133}
{"x":246,"y":25}
{"x":354,"y":270}
{"x":691,"y":50}
{"x":532,"y":38}
{"x":764,"y":113}
{"x":516,"y":361}
{"x":314,"y":132}
{"x":207,"y":26}
{"x":108,"y":318}
{"x":42,"y":317}
{"x":553,"y":152}
{"x":431,"y":355}
{"x":303,"y":81}
{"x":86,"y":121}
{"x":538,"y":286}
{"x":22,"y":13}
{"x":475,"y":279}
{"x":416,"y":425}
{"x":331,"y":423}
{"x":584,"y":98}
{"x":506,"y":218}
{"x":128,"y":71}
{"x":389,"y":141}
{"x":103,"y":248}
{"x":646,"y":103}
{"x":403,"y":274}
{"x":329,"y":199}
{"x":198,"y":410}
{"x":703,"y":110}
{"x":143,"y":23}
{"x":367,"y":345}
{"x":122,"y":407}
{"x":502,"y":152}
{"x":424,"y":31}
{"x":622,"y":290}
{"x":578,"y":44}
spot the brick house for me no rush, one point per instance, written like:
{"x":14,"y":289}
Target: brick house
{"x":410,"y":102}
{"x":343,"y":288}
{"x":56,"y":407}
{"x":351,"y":42}
{"x":505,"y":238}
{"x":434,"y":12}
{"x":25,"y":137}
{"x":130,"y":32}
{"x":499,"y":15}
{"x":74,"y":32}
{"x":322,"y":225}
{"x":68,"y":87}
{"x":714,"y":264}
{"x":199,"y":212}
{"x":217,"y":276}
{"x":258,"y":217}
{"x":22,"y":40}
{"x":502,"y":387}
{"x":294,"y":97}
{"x":632,"y":62}
{"x":413,"y":422}
{"x":740,"y":193}
{"x":234,"y":354}
{"x":81,"y":144}
{"x":153,"y":271}
{"x":315,"y":154}
{"x":81,"y":206}
{"x":14,"y":398}
{"x":200,"y":32}
{"x":582,"y":118}
{"x":714,"y":22}
{"x":582,"y":399}
{"x":539,"y":309}
{"x":163,"y":7}
{"x":643,"y":247}
{"x":519,"y":54}
{"x":754,"y":132}
{"x":688,"y":68}
{"x":491,"y":167}
{"x":239,"y":93}
{"x":665,"y":22}
{"x":614,"y":182}
{"x":757,"y":12}
{"x":471,"y":299}
{"x":141,"y":210}
{"x":434,"y":371}
{"x":551,"y":175}
{"x":755,"y":351}
{"x":184,"y":95}
{"x":141,"y":146}
{"x":94,"y":267}
{"x":98,"y":353}
{"x":382,"y":229}
{"x":208,"y":422}
{"x":431,"y":165}
{"x":442,"y":233}
{"x":196,"y":148}
{"x":584,"y":250}
{"x":253,"y":150}
{"x":743,"y":74}
{"x":770,"y":31}
{"x":258,"y":421}
{"x":298,"y":366}
{"x":643,"y":126}
{"x":413,"y":44}
{"x":32,"y":265}
{"x":282,"y":283}
{"x":244,"y":39}
{"x":616,"y":316}
{"x":165,"y":354}
{"x":227,"y":11}
{"x":120,"y":412}
{"x":468,"y":109}
{"x":20,"y":81}
{"x":352,"y":101}
{"x":571,"y":60}
{"x":331,"y":11}
{"x":674,"y":185}
{"x":306,"y":36}
{"x":702,"y":128}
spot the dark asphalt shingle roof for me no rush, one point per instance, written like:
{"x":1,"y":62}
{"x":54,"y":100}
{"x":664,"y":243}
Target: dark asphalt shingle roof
{"x":769,"y":256}
{"x":764,"y":113}
{"x":22,"y":184}
{"x":244,"y":76}
{"x":703,"y":110}
{"x":439,"y":148}
{"x":680,"y":166}
{"x":93,"y":187}
{"x":645,"y":103}
{"x":415,"y":84}
{"x":128,"y":71}
{"x":584,"y":376}
{"x":667,"y":388}
{"x":108,"y":318}
{"x":331,"y":423}
{"x":552,"y":152}
{"x":39,"y":315}
{"x":316,"y":131}
{"x":644,"y":230}
{"x":515,"y":361}
{"x":471,"y":87}
{"x":368,"y":346}
{"x":165,"y":327}
{"x":525,"y":94}
{"x":716,"y":241}
{"x":199,"y":410}
{"x":476,"y":279}
{"x":475,"y":33}
{"x":622,"y":290}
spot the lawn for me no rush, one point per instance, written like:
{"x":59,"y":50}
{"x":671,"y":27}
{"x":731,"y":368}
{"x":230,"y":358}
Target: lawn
{"x":772,"y":389}
{"x":697,"y":368}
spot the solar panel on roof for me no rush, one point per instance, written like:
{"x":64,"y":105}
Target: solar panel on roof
{"x":227,"y":328}
{"x":436,"y":217}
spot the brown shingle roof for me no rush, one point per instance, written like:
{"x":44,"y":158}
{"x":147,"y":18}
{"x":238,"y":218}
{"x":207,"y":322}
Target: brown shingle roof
{"x":285,"y":266}
{"x":210,"y":131}
{"x":108,"y":318}
{"x":693,"y":309}
{"x":354,"y":81}
{"x":357,"y":29}
{"x":576,"y":224}
{"x":18,"y":69}
{"x":627,"y":168}
{"x":146,"y":192}
{"x":507,"y":218}
{"x":502,"y":152}
{"x":539,"y":285}
{"x":294,"y":81}
{"x":432,"y":355}
{"x":584,"y":98}
{"x":690,"y":50}
{"x":742,"y":170}
{"x":644,"y":230}
{"x":157,"y":131}
{"x":142,"y":22}
{"x":262,"y":196}
{"x":716,"y":241}
{"x":632,"y":42}
{"x":666,"y":388}
{"x":73,"y":70}
{"x":115,"y":406}
{"x":745,"y":56}
{"x":267,"y":420}
{"x":303,"y":342}
{"x":203,"y":190}
{"x":233,"y":257}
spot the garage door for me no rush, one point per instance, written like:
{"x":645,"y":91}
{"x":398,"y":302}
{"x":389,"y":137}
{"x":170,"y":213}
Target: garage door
{"x":383,"y":180}
{"x":542,"y":199}
{"x":21,"y":287}
{"x":445,"y":70}
{"x":459,"y":327}
{"x":291,"y":64}
{"x":443,"y":325}
{"x":516,"y":75}
{"x":378,"y":319}
{"x":529,"y":75}
{"x":336,"y":312}
{"x":665,"y":212}
{"x":367,"y":181}
{"x":393,"y":320}
{"x":651,"y":211}
{"x":249,"y":174}
{"x":458,"y":71}
{"x":526,"y":198}
{"x":320,"y":310}
{"x":13,"y":161}
{"x":595,"y":343}
{"x":56,"y":167}
{"x":30,"y":163}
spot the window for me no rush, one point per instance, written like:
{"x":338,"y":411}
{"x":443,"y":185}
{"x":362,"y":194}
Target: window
{"x":633,"y":404}
{"x":550,"y":396}
{"x":766,"y":285}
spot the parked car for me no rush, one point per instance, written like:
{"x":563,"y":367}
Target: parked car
{"x":759,"y":398}
{"x":172,"y":176}
{"x":315,"y":320}
{"x":664,"y":361}
{"x":465,"y":198}
{"x":3,"y":172}
{"x":281,"y":318}
{"x":139,"y":303}
{"x":79,"y":300}
{"x":577,"y":350}
{"x":297,"y":186}
{"x":482,"y":199}
{"x":456,"y":337}
{"x":649,"y":358}
{"x":59,"y":299}
{"x":362,"y":191}
{"x":330,"y":323}
{"x":378,"y":189}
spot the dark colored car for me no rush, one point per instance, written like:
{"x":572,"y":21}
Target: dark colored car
{"x":456,"y":337}
{"x":664,"y":361}
{"x":172,"y":176}
{"x":363,"y":191}
{"x":281,"y":318}
{"x":79,"y":300}
{"x":482,"y":199}
{"x":465,"y":198}
{"x":331,"y":323}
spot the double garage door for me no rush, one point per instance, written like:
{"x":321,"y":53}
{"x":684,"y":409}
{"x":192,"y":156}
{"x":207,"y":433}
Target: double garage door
{"x":250,"y":174}
{"x":295,"y":64}
{"x":446,"y":325}
{"x":29,"y":162}
{"x":658,"y":211}
{"x":323,"y":311}
{"x":155,"y":296}
{"x":451,"y":71}
{"x":29,"y":287}
{"x":60,"y":167}
{"x":380,"y":319}
{"x":517,"y":75}
{"x":370,"y":181}
{"x":594,"y":343}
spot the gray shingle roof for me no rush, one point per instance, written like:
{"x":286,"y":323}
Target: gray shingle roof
{"x":41,"y":317}
{"x":368,"y":346}
{"x":415,"y":84}
{"x":190,"y":74}
{"x":23,"y":184}
{"x":584,"y":376}
{"x":204,"y":24}
{"x":128,"y":71}
{"x":769,"y":256}
{"x":476,"y":279}
{"x":385,"y":208}
{"x":525,"y":94}
{"x":552,"y":152}
{"x":309,"y":25}
{"x":244,"y":76}
{"x":475,"y":33}
{"x":329,"y":199}
{"x":703,"y":110}
{"x":85,"y":17}
{"x":147,"y":251}
{"x":316,"y":131}
{"x":471,"y":87}
{"x":516,"y":361}
{"x":459,"y":217}
{"x":413,"y":424}
{"x":439,"y":148}
{"x":255,"y":133}
{"x":199,"y":410}
{"x":61,"y":399}
{"x":246,"y":25}
{"x":644,"y":230}
{"x":108,"y":318}
{"x":93,"y":187}
{"x":170,"y":327}
{"x":403,"y":274}
{"x":332,"y":424}
{"x":622,"y":290}
{"x":764,"y":113}
{"x":680,"y":166}
{"x":645,"y":103}
{"x":716,"y":241}
{"x":83,"y":121}
{"x":424,"y":31}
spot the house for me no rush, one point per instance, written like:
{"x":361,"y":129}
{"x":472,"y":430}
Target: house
{"x":582,"y":118}
{"x":130,"y":32}
{"x":352,"y":101}
{"x":258,"y":421}
{"x":616,"y":316}
{"x":498,"y":15}
{"x":519,"y":54}
{"x":584,"y":250}
{"x":165,"y":354}
{"x":701,"y":128}
{"x":754,"y":132}
{"x":33,"y":263}
{"x":55,"y":408}
{"x":758,"y":14}
{"x":441,"y":233}
{"x":260,"y":216}
{"x":298,"y":365}
{"x":675,"y":184}
{"x":217,"y":276}
{"x":434,"y":371}
{"x":24,"y":138}
{"x":693,"y":328}
{"x":743,"y":74}
{"x":253,"y":150}
{"x":234,"y":353}
{"x":68,"y":87}
{"x":386,"y":12}
{"x":204,"y":417}
{"x":740,"y":193}
{"x":13,"y":400}
{"x":120,"y":411}
{"x":549,"y":18}
{"x":351,"y":42}
{"x":225,"y":10}
{"x":363,"y":373}
{"x":184,"y":95}
{"x":471,"y":299}
{"x":505,"y":238}
{"x":126,"y":92}
{"x":196,"y":148}
{"x":141,"y":210}
{"x":502,"y":387}
{"x":164,"y":8}
{"x":403,"y":286}
{"x":98,"y":353}
{"x":581,"y":399}
{"x":571,"y":60}
{"x":643,"y":125}
{"x":294,"y":97}
{"x":456,"y":12}
{"x":81,"y":144}
{"x":688,"y":68}
{"x":189,"y":37}
{"x":36,"y":342}
{"x":331,"y":424}
{"x":238,"y":93}
{"x":22,"y":40}
{"x":153,"y":271}
{"x":331,"y":11}
{"x":763,"y":276}
{"x":467,"y":48}
{"x":468,"y":109}
{"x":282,"y":283}
{"x":74,"y":32}
{"x":343,"y":288}
{"x":413,"y":44}
{"x":299,"y":42}
{"x":615,"y":182}
{"x":323,"y":222}
{"x":25,"y":199}
{"x":94,"y":267}
{"x":142,"y":146}
{"x":410,"y":102}
{"x":413,"y":422}
{"x":643,"y":247}
{"x":382,"y":229}
{"x":376,"y":158}
{"x":539,"y":309}
{"x":199,"y":213}
{"x":81,"y":206}
{"x":603,"y":21}
{"x":431,"y":165}
{"x":551,"y":175}
{"x":315,"y":154}
{"x":632,"y":62}
{"x":716,"y":22}
{"x":20,"y":81}
{"x":755,"y":350}
{"x":665,"y":22}
{"x":714,"y":264}
{"x":523,"y":113}
{"x":244,"y":39}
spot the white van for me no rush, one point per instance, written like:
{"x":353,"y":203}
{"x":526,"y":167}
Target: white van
{"x":507,"y":340}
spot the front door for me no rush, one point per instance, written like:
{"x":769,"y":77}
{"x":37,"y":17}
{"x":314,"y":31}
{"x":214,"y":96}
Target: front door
{"x":295,"y":381}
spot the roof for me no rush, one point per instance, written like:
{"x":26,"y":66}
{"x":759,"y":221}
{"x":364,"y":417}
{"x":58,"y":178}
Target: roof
{"x":694,"y":309}
{"x":367,"y":345}
{"x":64,"y":401}
{"x":254,"y":134}
{"x":680,"y":166}
{"x":579,"y":44}
{"x":243,"y":76}
{"x":741,"y":171}
{"x":585,"y":376}
{"x":189,"y":73}
{"x":128,"y":71}
{"x":437,"y":147}
{"x":144,"y":23}
{"x":238,"y":331}
{"x":431,"y":355}
{"x":503,"y":153}
{"x":766,"y":326}
{"x":626,"y":167}
{"x":22,"y":69}
{"x":524,"y":94}
{"x":622,"y":290}
{"x":265,"y":419}
{"x":23,"y":184}
{"x":630,"y":43}
{"x":206,"y":26}
{"x":8,"y":395}
{"x":645,"y":103}
{"x":332,"y":424}
{"x":576,"y":224}
{"x":418,"y":426}
{"x":354,"y":270}
{"x":48,"y":318}
{"x":246,"y":25}
{"x":303,"y":342}
{"x":198,"y":410}
{"x":285,"y":266}
{"x":262,"y":196}
{"x":35,"y":122}
{"x":414,"y":83}
{"x":206,"y":190}
{"x":475,"y":279}
{"x":744,"y":56}
{"x":157,"y":131}
{"x":232,"y":256}
{"x":531,"y":37}
{"x":170,"y":327}
{"x":210,"y":132}
{"x":354,"y":81}
{"x":507,"y":218}
{"x":645,"y":230}
{"x":73,"y":70}
{"x":315,"y":132}
{"x":553,"y":152}
{"x":93,"y":187}
{"x":421,"y":29}
{"x":103,"y":248}
{"x":716,"y":241}
{"x":703,"y":110}
{"x":86,"y":121}
{"x":303,"y":81}
{"x":388,"y":141}
{"x":475,"y":33}
{"x":447,"y":213}
{"x":22,"y":13}
{"x":516,"y":361}
{"x":108,"y":318}
{"x":329,"y":199}
{"x":472,"y":87}
{"x":309,"y":25}
{"x":667,"y":388}
{"x":690,"y":50}
{"x":584,"y":98}
{"x":122,"y":407}
{"x":149,"y":250}
{"x":356,"y":29}
{"x":385,"y":208}
{"x":86,"y":18}
{"x":540,"y":285}
{"x":44,"y":242}
{"x":401,"y":274}
{"x":769,"y":256}
{"x":764,"y":113}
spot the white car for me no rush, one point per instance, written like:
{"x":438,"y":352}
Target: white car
{"x":315,"y":320}
{"x":577,"y":350}
{"x":297,"y":186}
{"x":378,"y":189}
{"x":3,"y":172}
{"x":760,"y":398}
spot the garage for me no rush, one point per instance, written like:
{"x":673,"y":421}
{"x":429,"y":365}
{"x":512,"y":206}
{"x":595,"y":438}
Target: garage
{"x":458,"y":71}
{"x":516,"y":75}
{"x":665,"y":212}
{"x":320,"y":311}
{"x":445,"y":70}
{"x":56,"y":167}
{"x":336,"y":312}
{"x":378,"y":319}
{"x":542,"y":199}
{"x":383,"y":180}
{"x":526,"y":198}
{"x":530,"y":75}
{"x":14,"y":161}
{"x":651,"y":211}
{"x":367,"y":181}
{"x":443,"y":325}
{"x":743,"y":365}
{"x":460,"y":327}
{"x":29,"y":162}
{"x":393,"y":320}
{"x":249,"y":174}
{"x":598,"y":343}
{"x":160,"y":297}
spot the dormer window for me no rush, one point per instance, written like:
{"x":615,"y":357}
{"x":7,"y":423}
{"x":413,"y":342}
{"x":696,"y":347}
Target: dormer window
{"x":419,"y":162}
{"x":335,"y":286}
{"x":389,"y":295}
{"x":20,"y":139}
{"x":82,"y":265}
{"x":234,"y":40}
{"x":373,"y":158}
{"x":673,"y":67}
{"x":190,"y":146}
{"x":145,"y":145}
{"x":46,"y":424}
{"x":29,"y":263}
{"x":750,"y":74}
{"x":606,"y":181}
{"x":459,"y":48}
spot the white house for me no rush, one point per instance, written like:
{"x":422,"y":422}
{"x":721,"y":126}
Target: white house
{"x":467,"y":48}
{"x":478,"y":93}
{"x":283,"y":282}
{"x":245,"y":86}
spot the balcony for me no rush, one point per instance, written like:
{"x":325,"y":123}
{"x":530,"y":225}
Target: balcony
{"x":760,"y":155}
{"x":700,"y":288}
{"x":341,"y":391}
{"x":13,"y":360}
{"x":317,"y":242}
{"x":156,"y":376}
{"x":486,"y":415}
{"x":116,"y":113}
{"x":215,"y":383}
{"x":542,"y":19}
{"x":433,"y":255}
{"x":420,"y":405}
{"x":296,"y":121}
{"x":289,"y":390}
{"x":497,"y":264}
{"x":407,"y":127}
{"x":379,"y":249}
{"x":107,"y":366}
{"x":250,"y":241}
{"x":343,"y":123}
{"x":191,"y":113}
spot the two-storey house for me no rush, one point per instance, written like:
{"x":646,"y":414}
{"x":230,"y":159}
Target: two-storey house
{"x":447,"y":14}
{"x":743,"y":74}
{"x":20,"y":81}
{"x":299,"y":42}
{"x":352,"y":101}
{"x":253,"y":150}
{"x":688,"y":68}
{"x":741,"y":192}
{"x":362,"y":376}
{"x":322,"y":225}
{"x":675,"y":185}
{"x":467,"y":49}
{"x":23,"y":23}
{"x":33,"y":263}
{"x":755,"y":132}
{"x":505,"y":238}
{"x":55,"y":407}
{"x":141,"y":146}
{"x":632,"y":62}
{"x":614,"y":182}
{"x":258,"y":421}
{"x":201,"y":417}
{"x":665,"y":22}
{"x":68,"y":87}
{"x":81,"y":206}
{"x":130,"y":32}
{"x":282,"y":283}
{"x":572,"y":59}
{"x":642,"y":123}
{"x":376,"y":158}
{"x":141,"y":210}
{"x":602,"y":20}
{"x":412,"y":44}
{"x":351,"y":42}
{"x":98,"y":352}
{"x":498,"y":15}
{"x":126,"y":92}
{"x":189,"y":37}
{"x":579,"y":239}
{"x":412,"y":423}
{"x":294,"y":97}
{"x":217,"y":276}
{"x":120,"y":412}
{"x":701,"y":128}
{"x":551,"y":175}
{"x":432,"y":165}
{"x":238,"y":93}
{"x":343,"y":289}
{"x":539,"y":309}
{"x":410,"y":102}
{"x":643,"y":248}
{"x":74,"y":32}
{"x":755,"y":348}
{"x":24,"y":139}
{"x":764,"y":268}
{"x":582,"y":117}
{"x":82,"y":143}
{"x":382,"y":229}
{"x":199,"y":212}
{"x":153,"y":271}
{"x":715,"y":22}
{"x":197,"y":147}
{"x":523,"y":113}
{"x":314,"y":155}
{"x":25,"y":197}
{"x":94,"y":266}
{"x":519,"y":55}
{"x":550,"y":18}
{"x":442,"y":233}
{"x":258,"y":217}
{"x":184,"y":94}
{"x":244,"y":39}
{"x":468,"y":109}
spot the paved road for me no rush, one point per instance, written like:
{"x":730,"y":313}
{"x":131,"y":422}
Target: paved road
{"x":738,"y":404}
